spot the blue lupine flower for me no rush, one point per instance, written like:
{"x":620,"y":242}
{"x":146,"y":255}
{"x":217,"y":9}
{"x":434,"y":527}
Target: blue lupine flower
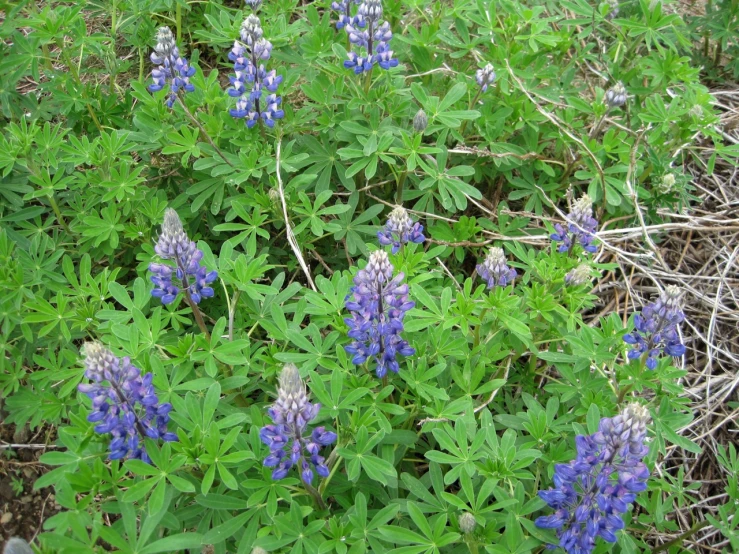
{"x":124,"y":403}
{"x":254,"y":4}
{"x":173,"y":69}
{"x":656,"y":329}
{"x":592,"y":491}
{"x":374,"y":39}
{"x":379,"y":305}
{"x":494,"y":269}
{"x":485,"y":77}
{"x":343,"y":9}
{"x":581,"y":227}
{"x":288,"y":444}
{"x":252,"y":79}
{"x":400,"y":229}
{"x":616,"y":95}
{"x":173,"y":244}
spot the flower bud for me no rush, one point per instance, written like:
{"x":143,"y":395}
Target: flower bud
{"x":420,"y":121}
{"x":666,"y":184}
{"x":578,"y":276}
{"x":258,"y":550}
{"x":17,"y":546}
{"x":467,"y":523}
{"x":616,"y":96}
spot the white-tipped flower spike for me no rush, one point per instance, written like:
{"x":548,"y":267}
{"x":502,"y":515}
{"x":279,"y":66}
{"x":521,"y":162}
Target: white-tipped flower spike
{"x":467,"y":523}
{"x":287,"y":440}
{"x":165,"y":44}
{"x":174,"y":244}
{"x":17,"y":546}
{"x":420,"y":121}
{"x":613,"y":5}
{"x":258,"y":550}
{"x":172,"y":69}
{"x":578,"y":276}
{"x":251,"y":30}
{"x":616,"y":96}
{"x":254,"y":4}
{"x":494,"y":269}
{"x":485,"y":77}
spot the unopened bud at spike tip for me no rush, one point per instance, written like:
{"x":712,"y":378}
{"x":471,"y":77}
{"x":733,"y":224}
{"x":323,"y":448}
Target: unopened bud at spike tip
{"x":420,"y":121}
{"x":467,"y":523}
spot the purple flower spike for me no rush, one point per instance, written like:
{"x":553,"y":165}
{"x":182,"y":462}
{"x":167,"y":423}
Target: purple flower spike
{"x":366,"y":32}
{"x":124,"y":404}
{"x":656,"y":329}
{"x":400,"y":229}
{"x":172,"y":69}
{"x":252,"y":79}
{"x":173,"y":244}
{"x":592,"y":491}
{"x":287,"y":441}
{"x":494,"y":269}
{"x":379,"y":304}
{"x":581,"y":227}
{"x":485,"y":77}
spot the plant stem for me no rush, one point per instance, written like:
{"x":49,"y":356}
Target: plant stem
{"x":401,"y":184}
{"x":476,"y":343}
{"x":75,"y":74}
{"x":690,"y":532}
{"x":203,"y":132}
{"x":316,"y":496}
{"x":472,"y":103}
{"x":472,"y":546}
{"x":195,"y":311}
{"x":58,"y":213}
{"x":367,"y":82}
{"x":178,"y":20}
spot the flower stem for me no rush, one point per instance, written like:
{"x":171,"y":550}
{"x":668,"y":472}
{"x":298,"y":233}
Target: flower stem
{"x":316,"y":496}
{"x":472,"y":103}
{"x":690,"y":532}
{"x":203,"y":132}
{"x":401,"y":183}
{"x":75,"y":74}
{"x":476,"y":343}
{"x":367,"y":82}
{"x":196,"y":312}
{"x":58,"y":213}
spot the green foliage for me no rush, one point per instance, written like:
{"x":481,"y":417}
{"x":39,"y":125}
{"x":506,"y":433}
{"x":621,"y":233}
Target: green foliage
{"x":501,"y":381}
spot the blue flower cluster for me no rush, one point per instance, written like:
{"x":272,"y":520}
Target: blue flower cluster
{"x":400,"y":229}
{"x":494,"y":269}
{"x":581,"y":227}
{"x":485,"y":77}
{"x":343,"y":9}
{"x":592,"y":491}
{"x":252,"y":79}
{"x":656,"y":329}
{"x":127,"y":406}
{"x":288,"y":445}
{"x":367,"y":32}
{"x":379,"y":305}
{"x":172,"y":68}
{"x":173,"y":244}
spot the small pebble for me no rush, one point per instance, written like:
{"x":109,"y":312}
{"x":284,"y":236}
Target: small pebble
{"x":5,"y":518}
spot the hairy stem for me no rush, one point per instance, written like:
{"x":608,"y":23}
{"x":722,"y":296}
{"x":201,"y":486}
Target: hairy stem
{"x":203,"y":132}
{"x":677,"y":540}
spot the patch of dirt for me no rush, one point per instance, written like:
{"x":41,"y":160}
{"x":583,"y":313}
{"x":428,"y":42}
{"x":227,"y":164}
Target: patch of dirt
{"x":22,"y":509}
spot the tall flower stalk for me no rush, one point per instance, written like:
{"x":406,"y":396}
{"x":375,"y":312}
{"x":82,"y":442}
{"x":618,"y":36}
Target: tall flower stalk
{"x":289,"y":444}
{"x":192,"y":276}
{"x":124,"y":404}
{"x":368,"y":32}
{"x":380,"y":302}
{"x":400,"y":229}
{"x":592,"y":491}
{"x":581,"y":228}
{"x":172,"y":69}
{"x":656,"y":329}
{"x":252,"y":79}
